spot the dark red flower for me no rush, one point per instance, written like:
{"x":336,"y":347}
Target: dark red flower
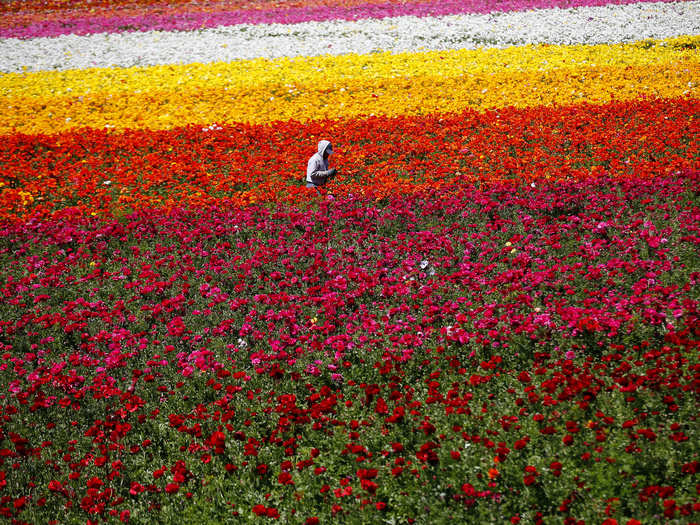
{"x":260,"y":510}
{"x":285,"y":478}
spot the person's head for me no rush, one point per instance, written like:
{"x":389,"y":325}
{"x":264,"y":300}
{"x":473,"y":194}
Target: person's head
{"x":325,"y":148}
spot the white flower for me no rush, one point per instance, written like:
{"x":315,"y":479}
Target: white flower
{"x":107,"y":182}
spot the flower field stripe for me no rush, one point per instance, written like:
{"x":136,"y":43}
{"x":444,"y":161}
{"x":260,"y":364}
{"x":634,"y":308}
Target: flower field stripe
{"x":247,"y":74}
{"x":413,"y":96}
{"x":260,"y":91}
{"x":102,"y":171}
{"x":187,"y":17}
{"x":586,"y":25}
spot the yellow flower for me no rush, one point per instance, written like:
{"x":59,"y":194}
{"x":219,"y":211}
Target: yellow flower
{"x":26,"y":197}
{"x":257,"y":91}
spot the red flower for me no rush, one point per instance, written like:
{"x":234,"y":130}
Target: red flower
{"x":218,"y":441}
{"x":381,"y":407}
{"x":555,"y":467}
{"x":427,"y":453}
{"x":469,"y":490}
{"x":260,"y":510}
{"x":172,"y":488}
{"x":572,"y":426}
{"x":521,"y":443}
{"x":94,"y":483}
{"x":690,"y":468}
{"x":55,"y":486}
{"x":369,"y":473}
{"x":369,"y":486}
{"x":285,"y":478}
{"x":531,"y":475}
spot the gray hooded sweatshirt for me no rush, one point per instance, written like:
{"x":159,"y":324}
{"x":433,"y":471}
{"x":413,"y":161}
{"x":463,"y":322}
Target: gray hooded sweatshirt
{"x":317,"y":166}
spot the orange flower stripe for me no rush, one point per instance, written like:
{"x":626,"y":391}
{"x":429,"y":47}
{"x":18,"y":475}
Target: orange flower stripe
{"x":105,"y":172}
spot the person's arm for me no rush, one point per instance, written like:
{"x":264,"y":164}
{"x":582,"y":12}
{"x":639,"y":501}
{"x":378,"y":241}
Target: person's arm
{"x":320,"y":177}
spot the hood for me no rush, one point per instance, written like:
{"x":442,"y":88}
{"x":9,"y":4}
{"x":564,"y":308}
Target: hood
{"x":322,"y":146}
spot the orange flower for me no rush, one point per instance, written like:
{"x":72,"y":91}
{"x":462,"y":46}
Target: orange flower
{"x":112,"y":173}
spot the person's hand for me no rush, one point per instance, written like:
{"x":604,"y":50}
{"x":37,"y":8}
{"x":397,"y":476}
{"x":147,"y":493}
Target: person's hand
{"x":332,"y":173}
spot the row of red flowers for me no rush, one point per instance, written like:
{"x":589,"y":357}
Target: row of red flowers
{"x":100,"y":172}
{"x":516,"y":352}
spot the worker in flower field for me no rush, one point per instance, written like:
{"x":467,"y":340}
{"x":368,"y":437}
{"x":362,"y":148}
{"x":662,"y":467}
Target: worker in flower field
{"x":317,"y":172}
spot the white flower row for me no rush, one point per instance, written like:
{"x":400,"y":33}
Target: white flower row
{"x":583,"y":25}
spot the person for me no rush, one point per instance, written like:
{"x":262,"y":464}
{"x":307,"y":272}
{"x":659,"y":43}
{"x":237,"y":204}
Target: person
{"x":317,"y":172}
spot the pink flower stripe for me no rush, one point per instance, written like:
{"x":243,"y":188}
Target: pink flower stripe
{"x":33,"y":24}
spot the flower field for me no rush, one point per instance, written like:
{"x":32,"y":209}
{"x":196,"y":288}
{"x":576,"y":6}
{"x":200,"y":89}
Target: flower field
{"x":494,"y":318}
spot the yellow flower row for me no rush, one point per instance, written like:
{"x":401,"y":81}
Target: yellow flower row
{"x":259,"y":91}
{"x":246,"y":74}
